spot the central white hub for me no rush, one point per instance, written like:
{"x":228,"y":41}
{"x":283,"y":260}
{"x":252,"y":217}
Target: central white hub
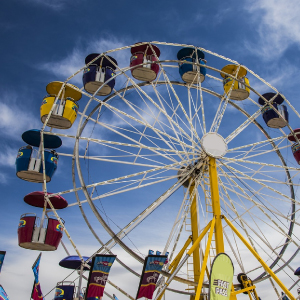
{"x":214,"y":145}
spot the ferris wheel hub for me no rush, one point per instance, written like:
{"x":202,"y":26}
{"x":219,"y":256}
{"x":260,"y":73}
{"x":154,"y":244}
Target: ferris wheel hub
{"x":214,"y":145}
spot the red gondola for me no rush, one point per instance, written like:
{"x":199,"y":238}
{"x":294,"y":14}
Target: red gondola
{"x":296,"y":145}
{"x":143,"y":60}
{"x":35,"y":237}
{"x":44,"y":234}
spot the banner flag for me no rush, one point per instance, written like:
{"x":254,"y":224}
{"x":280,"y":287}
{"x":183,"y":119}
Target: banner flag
{"x":152,"y":268}
{"x":221,"y":277}
{"x":2,"y":254}
{"x":115,"y":297}
{"x":3,"y":295}
{"x":101,"y":265}
{"x":36,"y":293}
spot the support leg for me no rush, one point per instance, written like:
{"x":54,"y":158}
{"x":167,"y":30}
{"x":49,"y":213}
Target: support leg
{"x":199,"y":288}
{"x":264,"y":265}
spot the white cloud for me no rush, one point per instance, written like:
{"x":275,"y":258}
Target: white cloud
{"x":75,"y":60}
{"x":287,"y":75}
{"x":67,"y":66}
{"x":278,"y":26}
{"x":3,"y":178}
{"x":53,"y":4}
{"x":13,"y":120}
{"x":17,"y":268}
{"x":8,"y":157}
{"x":5,"y":26}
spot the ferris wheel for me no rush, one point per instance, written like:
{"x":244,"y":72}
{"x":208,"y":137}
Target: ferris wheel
{"x":177,"y":141}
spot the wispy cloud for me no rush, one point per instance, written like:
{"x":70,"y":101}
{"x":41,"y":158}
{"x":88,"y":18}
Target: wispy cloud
{"x":3,"y":178}
{"x":7,"y":157}
{"x":286,"y":75}
{"x":13,"y":120}
{"x":278,"y":26}
{"x":75,"y":60}
{"x":53,"y":4}
{"x":6,"y":26}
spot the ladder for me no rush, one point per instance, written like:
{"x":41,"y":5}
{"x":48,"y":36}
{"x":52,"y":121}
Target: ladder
{"x":209,"y":210}
{"x":188,"y":228}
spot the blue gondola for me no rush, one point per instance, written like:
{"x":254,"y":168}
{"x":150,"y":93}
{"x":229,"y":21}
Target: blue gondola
{"x":97,"y":73}
{"x":29,"y":165}
{"x":297,"y":272}
{"x":270,"y":116}
{"x":191,"y":73}
{"x":65,"y":290}
{"x":73,"y":262}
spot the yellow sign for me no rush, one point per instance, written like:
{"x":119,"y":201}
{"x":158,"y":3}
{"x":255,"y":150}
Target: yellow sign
{"x":221,"y":277}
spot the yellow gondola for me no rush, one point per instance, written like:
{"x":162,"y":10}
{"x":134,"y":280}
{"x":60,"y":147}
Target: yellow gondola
{"x":65,"y":110}
{"x":239,"y":88}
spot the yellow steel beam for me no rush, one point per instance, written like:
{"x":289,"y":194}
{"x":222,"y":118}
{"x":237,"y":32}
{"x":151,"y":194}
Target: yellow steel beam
{"x":207,"y":272}
{"x":232,"y":293}
{"x":195,"y":232}
{"x":173,"y":265}
{"x":201,"y":278}
{"x":215,"y":198}
{"x":200,"y":237}
{"x":260,"y":260}
{"x":244,"y":290}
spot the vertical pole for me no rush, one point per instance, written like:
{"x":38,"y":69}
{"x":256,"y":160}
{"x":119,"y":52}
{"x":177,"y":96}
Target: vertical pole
{"x":215,"y":198}
{"x":80,"y":281}
{"x":195,"y":233}
{"x":43,"y":216}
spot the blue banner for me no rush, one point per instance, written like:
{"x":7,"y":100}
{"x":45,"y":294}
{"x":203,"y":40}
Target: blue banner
{"x":151,"y":271}
{"x":115,"y":297}
{"x":36,"y":267}
{"x":3,"y":295}
{"x":98,"y":275}
{"x":36,"y":291}
{"x":2,"y":254}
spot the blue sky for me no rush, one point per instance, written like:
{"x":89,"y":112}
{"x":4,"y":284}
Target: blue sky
{"x":44,"y":40}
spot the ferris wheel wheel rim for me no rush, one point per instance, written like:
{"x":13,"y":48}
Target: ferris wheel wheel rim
{"x":179,"y":83}
{"x":259,"y":278}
